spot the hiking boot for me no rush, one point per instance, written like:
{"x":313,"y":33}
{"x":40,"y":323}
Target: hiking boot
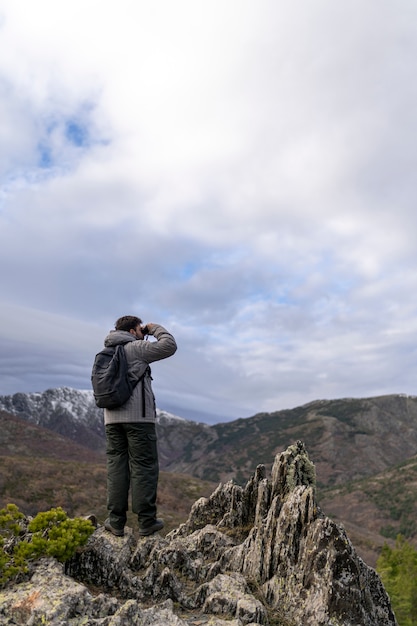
{"x":118,"y":532}
{"x":153,"y":528}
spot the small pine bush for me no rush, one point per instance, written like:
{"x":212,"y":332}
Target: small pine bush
{"x":398,"y":570}
{"x":51,"y":533}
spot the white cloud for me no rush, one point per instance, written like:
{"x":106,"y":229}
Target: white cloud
{"x":243,"y":173}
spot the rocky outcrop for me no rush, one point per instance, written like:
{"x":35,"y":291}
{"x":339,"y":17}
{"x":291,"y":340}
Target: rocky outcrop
{"x":262,"y":554}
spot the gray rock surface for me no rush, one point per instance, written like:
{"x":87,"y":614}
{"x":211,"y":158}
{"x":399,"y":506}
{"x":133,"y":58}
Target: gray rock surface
{"x":261,"y":554}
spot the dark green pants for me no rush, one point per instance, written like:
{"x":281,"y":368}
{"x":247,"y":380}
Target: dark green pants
{"x":132,"y":461}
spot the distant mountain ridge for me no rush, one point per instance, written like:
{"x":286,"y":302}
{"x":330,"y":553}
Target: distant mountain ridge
{"x":347,"y":439}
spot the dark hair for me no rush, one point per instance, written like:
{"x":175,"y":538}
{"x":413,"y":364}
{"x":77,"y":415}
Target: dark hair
{"x":127,"y":322}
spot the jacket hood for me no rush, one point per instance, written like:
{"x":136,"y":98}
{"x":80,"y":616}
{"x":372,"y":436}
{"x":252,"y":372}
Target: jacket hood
{"x":116,"y":337}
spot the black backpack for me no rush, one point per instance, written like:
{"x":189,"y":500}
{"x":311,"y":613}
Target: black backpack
{"x":109,"y":378}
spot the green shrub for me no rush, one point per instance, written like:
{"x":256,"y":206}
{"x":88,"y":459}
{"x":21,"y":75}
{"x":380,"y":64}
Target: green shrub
{"x":398,"y":570}
{"x":51,"y":533}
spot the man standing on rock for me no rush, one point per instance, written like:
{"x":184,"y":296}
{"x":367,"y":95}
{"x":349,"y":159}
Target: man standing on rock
{"x":131,"y":446}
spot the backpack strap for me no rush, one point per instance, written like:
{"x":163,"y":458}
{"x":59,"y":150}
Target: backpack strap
{"x":147,"y":372}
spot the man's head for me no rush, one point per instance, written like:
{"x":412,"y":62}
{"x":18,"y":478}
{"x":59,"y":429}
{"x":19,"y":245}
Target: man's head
{"x":128,"y":322}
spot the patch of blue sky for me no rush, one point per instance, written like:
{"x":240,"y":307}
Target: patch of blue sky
{"x":62,"y":141}
{"x":45,"y":160}
{"x":61,"y":135}
{"x":74,"y":136}
{"x":77,"y":133}
{"x":71,"y":134}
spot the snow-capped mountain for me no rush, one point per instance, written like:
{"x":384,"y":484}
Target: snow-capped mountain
{"x":73,"y":404}
{"x":74,"y":414}
{"x":69,"y":412}
{"x":42,"y":408}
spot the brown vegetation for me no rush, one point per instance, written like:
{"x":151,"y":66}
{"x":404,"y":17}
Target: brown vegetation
{"x":37,"y":484}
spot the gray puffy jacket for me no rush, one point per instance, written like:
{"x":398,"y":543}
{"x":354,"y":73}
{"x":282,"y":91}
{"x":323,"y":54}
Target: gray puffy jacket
{"x":141,"y":405}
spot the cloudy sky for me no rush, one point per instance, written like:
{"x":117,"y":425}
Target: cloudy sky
{"x":242,"y":172}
